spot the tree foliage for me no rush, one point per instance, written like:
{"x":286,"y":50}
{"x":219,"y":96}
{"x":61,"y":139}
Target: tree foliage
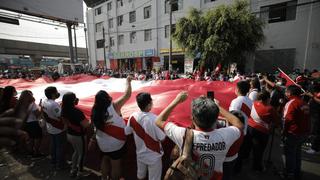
{"x":222,"y":35}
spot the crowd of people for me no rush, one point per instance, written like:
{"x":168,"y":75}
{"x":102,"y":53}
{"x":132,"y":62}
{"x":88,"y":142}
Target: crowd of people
{"x":219,"y":144}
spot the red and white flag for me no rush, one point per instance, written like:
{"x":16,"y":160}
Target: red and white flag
{"x":286,"y":77}
{"x":162,"y":91}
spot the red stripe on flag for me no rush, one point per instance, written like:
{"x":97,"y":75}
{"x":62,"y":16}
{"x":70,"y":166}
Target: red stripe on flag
{"x":147,"y":139}
{"x":246,"y":109}
{"x":114,"y":131}
{"x":286,"y":77}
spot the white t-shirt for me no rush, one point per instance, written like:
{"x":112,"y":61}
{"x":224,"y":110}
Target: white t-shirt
{"x":253,"y":94}
{"x":112,"y":138}
{"x":244,"y":105}
{"x":147,"y":136}
{"x":31,"y":110}
{"x":53,"y":110}
{"x":209,"y":148}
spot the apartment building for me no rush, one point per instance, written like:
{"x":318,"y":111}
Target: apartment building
{"x":134,"y":34}
{"x":292,"y":34}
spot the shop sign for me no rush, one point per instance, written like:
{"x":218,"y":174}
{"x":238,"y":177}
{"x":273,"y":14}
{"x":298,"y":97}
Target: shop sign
{"x":174,"y":50}
{"x":131,"y":54}
{"x":157,"y":66}
{"x":149,"y":52}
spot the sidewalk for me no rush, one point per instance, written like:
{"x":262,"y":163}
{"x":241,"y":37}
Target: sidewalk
{"x":23,"y":167}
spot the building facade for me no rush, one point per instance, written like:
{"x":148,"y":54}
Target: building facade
{"x":134,"y":34}
{"x":292,"y":34}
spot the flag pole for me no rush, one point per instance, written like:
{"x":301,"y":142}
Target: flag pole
{"x":291,"y":80}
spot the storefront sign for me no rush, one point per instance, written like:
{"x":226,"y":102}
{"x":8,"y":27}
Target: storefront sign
{"x":131,"y":54}
{"x":174,"y":50}
{"x":149,"y":52}
{"x":157,"y":66}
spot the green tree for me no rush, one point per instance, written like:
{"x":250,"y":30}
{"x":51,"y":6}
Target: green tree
{"x":222,"y":35}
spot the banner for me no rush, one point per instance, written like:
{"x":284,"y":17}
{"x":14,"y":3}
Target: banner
{"x":162,"y":92}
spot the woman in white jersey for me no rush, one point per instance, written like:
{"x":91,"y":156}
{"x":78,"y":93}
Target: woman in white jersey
{"x":110,"y":128}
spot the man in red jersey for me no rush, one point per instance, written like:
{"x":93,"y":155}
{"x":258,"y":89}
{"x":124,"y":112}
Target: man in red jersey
{"x":296,"y":127}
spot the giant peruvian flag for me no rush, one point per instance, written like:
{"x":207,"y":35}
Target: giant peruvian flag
{"x":162,"y":92}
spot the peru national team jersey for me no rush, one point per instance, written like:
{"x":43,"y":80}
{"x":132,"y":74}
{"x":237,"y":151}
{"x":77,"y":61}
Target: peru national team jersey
{"x":53,"y":110}
{"x":112,"y":136}
{"x":209,"y":148}
{"x":147,"y":136}
{"x":244,"y":105}
{"x":261,"y":117}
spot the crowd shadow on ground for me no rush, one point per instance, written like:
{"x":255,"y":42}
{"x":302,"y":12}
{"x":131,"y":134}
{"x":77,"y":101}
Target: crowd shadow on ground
{"x":21,"y":166}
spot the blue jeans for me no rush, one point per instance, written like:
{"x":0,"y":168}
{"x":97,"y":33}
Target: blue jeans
{"x":292,"y":152}
{"x":58,"y":142}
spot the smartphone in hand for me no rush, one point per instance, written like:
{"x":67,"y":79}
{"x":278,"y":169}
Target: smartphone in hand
{"x":210,"y":94}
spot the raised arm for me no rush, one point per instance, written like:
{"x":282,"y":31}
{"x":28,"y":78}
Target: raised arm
{"x":269,"y":82}
{"x":123,"y":99}
{"x":232,"y":119}
{"x":163,"y":116}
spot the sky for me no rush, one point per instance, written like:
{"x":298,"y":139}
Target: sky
{"x":41,"y":33}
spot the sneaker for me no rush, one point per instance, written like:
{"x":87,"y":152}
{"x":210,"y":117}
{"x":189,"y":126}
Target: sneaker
{"x":311,"y":151}
{"x":83,"y":174}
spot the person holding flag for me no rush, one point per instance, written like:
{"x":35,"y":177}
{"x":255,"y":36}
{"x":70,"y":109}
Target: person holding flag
{"x":110,"y":130}
{"x":296,"y":128}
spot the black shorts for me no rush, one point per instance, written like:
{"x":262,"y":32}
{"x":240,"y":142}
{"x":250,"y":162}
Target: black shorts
{"x":115,"y":155}
{"x":34,"y":130}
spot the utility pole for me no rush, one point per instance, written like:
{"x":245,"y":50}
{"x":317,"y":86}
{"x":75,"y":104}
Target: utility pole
{"x":306,"y":53}
{"x":75,"y":44}
{"x":69,"y":24}
{"x":86,"y":40}
{"x":170,"y":41}
{"x":104,"y":47}
{"x":109,"y":44}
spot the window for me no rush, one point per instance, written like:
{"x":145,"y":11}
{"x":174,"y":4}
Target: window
{"x":121,"y":39}
{"x":97,"y":11}
{"x":109,"y":6}
{"x":133,"y":37}
{"x":111,"y":41}
{"x":110,"y":22}
{"x":147,"y":12}
{"x":147,"y":35}
{"x":119,"y":3}
{"x":166,"y":30}
{"x":207,"y":1}
{"x":120,"y":20}
{"x":99,"y":27}
{"x":176,"y":5}
{"x":279,"y":12}
{"x":100,"y":43}
{"x":132,"y":16}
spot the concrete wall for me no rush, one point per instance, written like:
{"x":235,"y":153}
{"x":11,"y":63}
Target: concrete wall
{"x":293,"y":33}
